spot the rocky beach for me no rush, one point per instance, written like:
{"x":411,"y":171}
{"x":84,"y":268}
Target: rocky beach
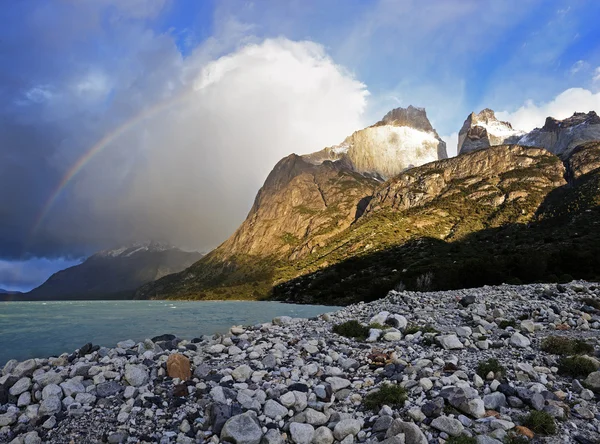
{"x":488,"y":365}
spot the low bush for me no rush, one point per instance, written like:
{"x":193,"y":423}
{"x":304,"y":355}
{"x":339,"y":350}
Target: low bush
{"x":352,"y":329}
{"x":507,"y":323}
{"x":540,"y":422}
{"x":576,"y":366}
{"x":388,"y":394}
{"x":560,"y":345}
{"x":490,"y":365}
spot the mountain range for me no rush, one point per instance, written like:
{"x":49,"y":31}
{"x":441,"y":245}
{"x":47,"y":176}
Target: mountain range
{"x":386,"y":208}
{"x":114,"y":273}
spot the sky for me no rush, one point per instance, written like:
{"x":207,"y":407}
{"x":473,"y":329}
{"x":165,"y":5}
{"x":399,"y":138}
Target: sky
{"x":128,"y":120}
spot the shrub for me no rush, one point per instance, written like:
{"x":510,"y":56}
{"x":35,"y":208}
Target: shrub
{"x":490,"y":365}
{"x":576,"y":366}
{"x":560,"y":345}
{"x":351,"y":329}
{"x":540,"y":422}
{"x":425,"y":282}
{"x":379,"y":326}
{"x":388,"y":394}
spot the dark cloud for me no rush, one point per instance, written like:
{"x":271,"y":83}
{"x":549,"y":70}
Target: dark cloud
{"x":190,"y":137}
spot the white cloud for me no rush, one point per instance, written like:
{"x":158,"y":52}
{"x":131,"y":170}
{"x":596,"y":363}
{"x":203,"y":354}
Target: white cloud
{"x":597,"y":74}
{"x":451,"y":144}
{"x":532,"y":115}
{"x":188,"y":172}
{"x":578,"y":66}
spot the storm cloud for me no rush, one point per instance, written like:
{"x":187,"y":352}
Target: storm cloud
{"x":190,"y":132}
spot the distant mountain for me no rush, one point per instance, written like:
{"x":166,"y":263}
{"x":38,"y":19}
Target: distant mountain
{"x":3,"y":291}
{"x":115,"y":273}
{"x":483,"y":130}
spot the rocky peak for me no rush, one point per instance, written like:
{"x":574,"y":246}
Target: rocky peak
{"x":483,"y":130}
{"x":561,"y":137}
{"x":403,"y":139}
{"x":412,"y":117}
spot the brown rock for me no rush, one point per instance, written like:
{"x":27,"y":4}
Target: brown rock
{"x":522,"y":430}
{"x":178,"y":366}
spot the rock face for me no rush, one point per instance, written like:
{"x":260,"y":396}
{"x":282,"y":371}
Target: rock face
{"x":484,"y":130}
{"x":114,"y":273}
{"x":561,"y":137}
{"x":403,"y":139}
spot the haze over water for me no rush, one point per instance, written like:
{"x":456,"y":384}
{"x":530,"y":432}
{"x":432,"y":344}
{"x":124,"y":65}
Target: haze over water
{"x":42,"y":329}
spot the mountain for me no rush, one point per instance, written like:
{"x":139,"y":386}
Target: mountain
{"x":329,"y":232}
{"x":3,"y":291}
{"x":562,"y":136}
{"x":114,"y":273}
{"x":404,"y":138}
{"x":305,"y":201}
{"x":484,"y":130}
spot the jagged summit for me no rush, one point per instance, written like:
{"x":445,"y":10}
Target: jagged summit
{"x":403,"y":139}
{"x":412,"y":117}
{"x":483,"y":130}
{"x":561,"y":137}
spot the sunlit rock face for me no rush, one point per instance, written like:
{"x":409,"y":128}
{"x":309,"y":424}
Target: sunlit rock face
{"x":483,"y":130}
{"x":403,"y":139}
{"x":561,"y":137}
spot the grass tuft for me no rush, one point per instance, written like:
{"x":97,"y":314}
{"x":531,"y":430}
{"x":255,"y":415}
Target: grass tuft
{"x":490,"y":365}
{"x":576,"y":366}
{"x":388,"y":394}
{"x":560,"y":345}
{"x":540,"y":422}
{"x":352,"y":329}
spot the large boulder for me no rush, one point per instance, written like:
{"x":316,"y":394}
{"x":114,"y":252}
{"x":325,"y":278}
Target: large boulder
{"x":242,"y":429}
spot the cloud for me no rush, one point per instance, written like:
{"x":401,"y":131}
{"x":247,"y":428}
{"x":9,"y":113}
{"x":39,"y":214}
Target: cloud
{"x":190,"y":139}
{"x":451,"y":144}
{"x":596,"y":77}
{"x":532,"y":115}
{"x":578,"y":66}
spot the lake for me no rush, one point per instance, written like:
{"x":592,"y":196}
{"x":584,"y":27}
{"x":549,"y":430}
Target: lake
{"x":42,"y":329}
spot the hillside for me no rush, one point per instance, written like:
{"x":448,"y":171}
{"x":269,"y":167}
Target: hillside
{"x":114,"y":273}
{"x":323,"y":232}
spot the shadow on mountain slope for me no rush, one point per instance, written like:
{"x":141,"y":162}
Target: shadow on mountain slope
{"x":560,"y":245}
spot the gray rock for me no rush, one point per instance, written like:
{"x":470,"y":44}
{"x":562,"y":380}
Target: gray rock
{"x":136,"y":375}
{"x":338,"y":383}
{"x":117,"y":438}
{"x":32,"y":438}
{"x":273,"y":409}
{"x":9,"y":367}
{"x":494,"y":401}
{"x":71,"y":387}
{"x":107,"y":389}
{"x":126,"y":344}
{"x":593,"y":381}
{"x":8,"y":418}
{"x":49,"y":423}
{"x":392,"y":336}
{"x":323,"y":436}
{"x":52,"y":390}
{"x":412,"y":433}
{"x":272,"y":436}
{"x":314,"y":417}
{"x":518,"y":340}
{"x":382,"y":423}
{"x":346,"y":427}
{"x":242,"y":429}
{"x":241,"y":373}
{"x":301,"y":433}
{"x":25,"y":368}
{"x":269,"y":362}
{"x":43,"y":379}
{"x":450,"y":342}
{"x":50,"y":406}
{"x":451,"y":426}
{"x":483,"y":439}
{"x":22,"y":385}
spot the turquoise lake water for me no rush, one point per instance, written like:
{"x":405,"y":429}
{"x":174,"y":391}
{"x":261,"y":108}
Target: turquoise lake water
{"x":42,"y":329}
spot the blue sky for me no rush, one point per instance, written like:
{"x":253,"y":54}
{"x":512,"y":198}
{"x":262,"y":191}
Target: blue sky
{"x":213,"y":93}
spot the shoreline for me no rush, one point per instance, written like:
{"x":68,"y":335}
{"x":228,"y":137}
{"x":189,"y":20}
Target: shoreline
{"x":294,"y":380}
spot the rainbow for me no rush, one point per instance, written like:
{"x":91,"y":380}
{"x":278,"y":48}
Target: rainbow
{"x":97,"y":148}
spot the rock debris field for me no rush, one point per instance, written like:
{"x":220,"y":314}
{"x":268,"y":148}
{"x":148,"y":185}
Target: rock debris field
{"x":511,"y":364}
